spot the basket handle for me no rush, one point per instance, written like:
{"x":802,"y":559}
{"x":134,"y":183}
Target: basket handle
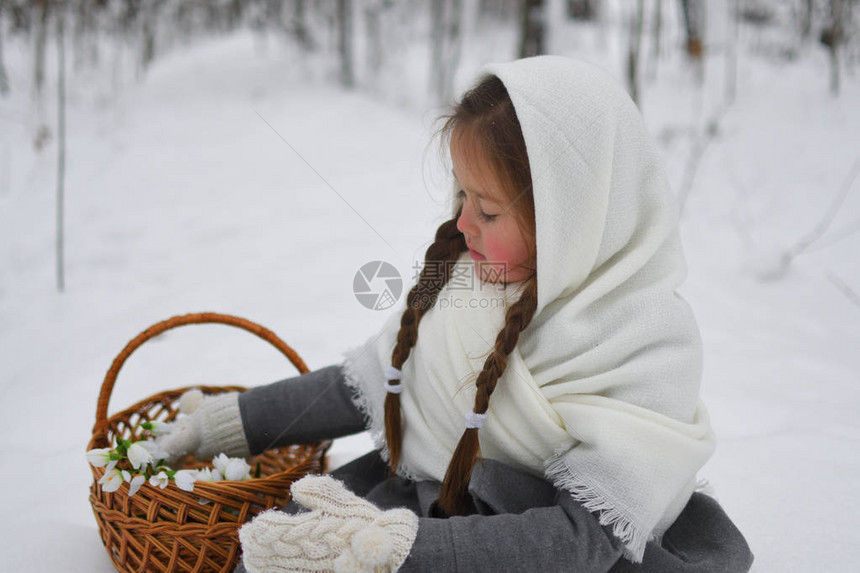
{"x":174,"y":322}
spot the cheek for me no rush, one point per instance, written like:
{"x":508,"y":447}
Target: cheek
{"x":512,"y":251}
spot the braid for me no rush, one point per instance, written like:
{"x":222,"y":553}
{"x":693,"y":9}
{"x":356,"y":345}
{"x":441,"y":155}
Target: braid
{"x":483,"y":124}
{"x":452,"y":499}
{"x":447,"y":246}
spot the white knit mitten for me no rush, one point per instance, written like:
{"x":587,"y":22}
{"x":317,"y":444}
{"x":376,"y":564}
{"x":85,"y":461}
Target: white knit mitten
{"x":206,"y":427}
{"x":342,"y":533}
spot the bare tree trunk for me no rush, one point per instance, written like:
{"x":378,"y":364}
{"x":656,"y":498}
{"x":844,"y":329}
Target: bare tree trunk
{"x":834,"y":70}
{"x":344,"y":42}
{"x":656,"y":33}
{"x":373,"y":27}
{"x":454,"y":42}
{"x":437,"y":15}
{"x":732,"y":55}
{"x":235,"y":12}
{"x":694,"y":12}
{"x":300,"y":25}
{"x":4,"y":76}
{"x":637,"y":17}
{"x":61,"y":148}
{"x":581,"y":9}
{"x":445,"y":17}
{"x":148,"y":17}
{"x":833,"y":36}
{"x":533,"y":27}
{"x":84,"y":35}
{"x":806,"y":25}
{"x":39,"y":52}
{"x":499,"y":9}
{"x":437,"y":48}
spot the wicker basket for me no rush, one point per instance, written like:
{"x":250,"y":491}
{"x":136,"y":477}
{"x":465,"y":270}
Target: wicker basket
{"x":171,"y":530}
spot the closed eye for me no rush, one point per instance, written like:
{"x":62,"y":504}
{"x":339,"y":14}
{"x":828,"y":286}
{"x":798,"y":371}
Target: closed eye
{"x":486,"y":217}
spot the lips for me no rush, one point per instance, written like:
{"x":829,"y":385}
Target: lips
{"x":476,"y":255}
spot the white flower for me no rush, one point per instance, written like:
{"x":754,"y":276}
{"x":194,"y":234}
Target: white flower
{"x":159,"y":480}
{"x":111,"y":481}
{"x":159,"y":428}
{"x":138,"y":455}
{"x":220,"y":462}
{"x":207,"y":474}
{"x":135,"y":483}
{"x":237,"y":469}
{"x":232,"y":469}
{"x":185,"y":479}
{"x":99,"y":457}
{"x":154,"y":449}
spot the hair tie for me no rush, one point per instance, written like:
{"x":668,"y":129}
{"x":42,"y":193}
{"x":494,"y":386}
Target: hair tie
{"x":392,"y":373}
{"x":475,"y":420}
{"x":393,"y":388}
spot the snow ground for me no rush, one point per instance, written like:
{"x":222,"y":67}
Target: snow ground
{"x":193,"y":191}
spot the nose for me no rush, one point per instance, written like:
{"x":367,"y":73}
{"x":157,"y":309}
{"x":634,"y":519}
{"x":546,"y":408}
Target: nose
{"x":466,"y":220}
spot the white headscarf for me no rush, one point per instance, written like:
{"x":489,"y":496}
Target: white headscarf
{"x":601,"y":394}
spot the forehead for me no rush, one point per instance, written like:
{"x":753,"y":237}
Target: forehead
{"x":472,"y":169}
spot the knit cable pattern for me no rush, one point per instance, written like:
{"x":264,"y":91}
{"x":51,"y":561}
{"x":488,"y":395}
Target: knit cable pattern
{"x":341,"y":533}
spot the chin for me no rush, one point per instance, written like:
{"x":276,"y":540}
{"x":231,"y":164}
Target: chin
{"x":495,"y":273}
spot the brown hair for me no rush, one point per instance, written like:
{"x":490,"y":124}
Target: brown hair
{"x":486,"y":117}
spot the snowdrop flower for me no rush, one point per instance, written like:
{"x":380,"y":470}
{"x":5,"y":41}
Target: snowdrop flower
{"x":220,"y":462}
{"x":154,"y":449}
{"x":207,"y":474}
{"x":157,"y":428}
{"x":99,"y":457}
{"x":111,"y":481}
{"x":138,"y":455}
{"x":185,"y":479}
{"x":159,"y":480}
{"x":237,"y":469}
{"x":134,"y":482}
{"x":233,"y":469}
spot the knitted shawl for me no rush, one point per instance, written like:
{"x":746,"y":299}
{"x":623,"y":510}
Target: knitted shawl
{"x":601,"y":394}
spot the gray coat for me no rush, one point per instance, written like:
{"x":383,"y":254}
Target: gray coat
{"x":517,"y":522}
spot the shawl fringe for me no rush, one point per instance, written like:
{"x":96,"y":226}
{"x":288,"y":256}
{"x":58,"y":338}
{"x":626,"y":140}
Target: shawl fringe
{"x":563,"y":477}
{"x":375,"y":424}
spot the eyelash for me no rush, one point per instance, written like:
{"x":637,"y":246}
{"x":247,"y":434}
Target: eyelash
{"x":484,"y":217}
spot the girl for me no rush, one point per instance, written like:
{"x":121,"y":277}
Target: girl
{"x":536,"y":405}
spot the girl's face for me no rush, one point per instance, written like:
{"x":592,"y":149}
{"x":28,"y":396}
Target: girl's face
{"x":502,"y":251}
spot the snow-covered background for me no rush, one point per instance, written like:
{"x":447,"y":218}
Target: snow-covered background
{"x":237,"y":177}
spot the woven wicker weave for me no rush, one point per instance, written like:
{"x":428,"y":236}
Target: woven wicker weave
{"x":170,"y":530}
